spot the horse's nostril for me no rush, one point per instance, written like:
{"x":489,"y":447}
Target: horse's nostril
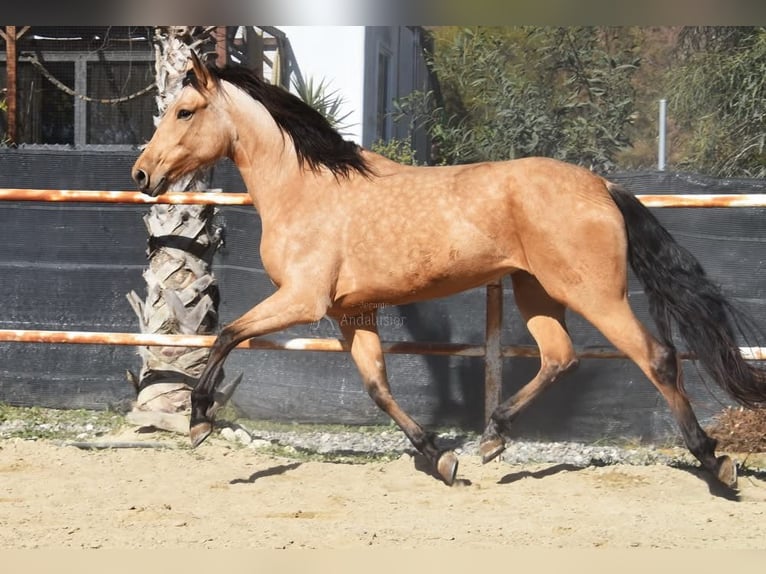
{"x":140,"y":177}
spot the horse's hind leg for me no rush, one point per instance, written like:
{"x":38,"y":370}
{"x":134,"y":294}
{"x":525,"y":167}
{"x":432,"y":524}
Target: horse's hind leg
{"x":545,"y":320}
{"x":659,"y":362}
{"x":361,"y":333}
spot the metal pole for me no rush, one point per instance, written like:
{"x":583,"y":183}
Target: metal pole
{"x":661,"y":150}
{"x":317,"y":344}
{"x":703,"y":200}
{"x":206,"y":341}
{"x":97,"y":196}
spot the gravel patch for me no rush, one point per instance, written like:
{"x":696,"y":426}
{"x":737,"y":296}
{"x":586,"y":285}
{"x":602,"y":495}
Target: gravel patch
{"x":385,"y":441}
{"x":393,"y":442}
{"x":88,"y":428}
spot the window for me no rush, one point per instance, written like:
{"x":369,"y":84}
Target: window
{"x":129,"y":122}
{"x":45,"y":113}
{"x":100,"y":63}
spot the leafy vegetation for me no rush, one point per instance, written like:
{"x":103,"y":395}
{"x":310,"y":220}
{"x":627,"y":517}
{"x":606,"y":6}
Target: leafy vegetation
{"x":327,"y":102}
{"x":589,"y":95}
{"x":396,"y":149}
{"x":719,"y":101}
{"x":514,"y":92}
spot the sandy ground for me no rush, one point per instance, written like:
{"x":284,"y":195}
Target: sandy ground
{"x":225,"y":496}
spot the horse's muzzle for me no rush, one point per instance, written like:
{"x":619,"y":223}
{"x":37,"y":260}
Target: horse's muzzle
{"x":143,"y":180}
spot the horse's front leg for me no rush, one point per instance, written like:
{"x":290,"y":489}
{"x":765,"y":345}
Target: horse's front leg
{"x":281,"y":310}
{"x":360,"y":331}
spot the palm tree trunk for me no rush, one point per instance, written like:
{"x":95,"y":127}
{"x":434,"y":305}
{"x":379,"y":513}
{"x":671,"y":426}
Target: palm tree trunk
{"x":181,"y":291}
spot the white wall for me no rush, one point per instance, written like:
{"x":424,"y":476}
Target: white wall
{"x":335,"y":54}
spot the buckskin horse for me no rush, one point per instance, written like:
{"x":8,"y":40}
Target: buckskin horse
{"x":346,"y":230}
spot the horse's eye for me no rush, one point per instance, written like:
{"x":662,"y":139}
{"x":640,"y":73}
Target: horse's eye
{"x":184,"y":114}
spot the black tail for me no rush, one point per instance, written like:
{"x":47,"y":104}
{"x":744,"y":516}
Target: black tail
{"x":680,"y":292}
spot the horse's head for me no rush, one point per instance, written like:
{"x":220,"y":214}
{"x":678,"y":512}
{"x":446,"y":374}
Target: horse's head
{"x":193,"y":133}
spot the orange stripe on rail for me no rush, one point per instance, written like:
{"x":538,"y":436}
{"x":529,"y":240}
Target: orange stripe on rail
{"x":216,"y":197}
{"x":158,"y":340}
{"x":94,"y":196}
{"x":306,"y":344}
{"x":704,"y":200}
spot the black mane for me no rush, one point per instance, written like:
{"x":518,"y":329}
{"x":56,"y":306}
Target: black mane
{"x":316,"y":142}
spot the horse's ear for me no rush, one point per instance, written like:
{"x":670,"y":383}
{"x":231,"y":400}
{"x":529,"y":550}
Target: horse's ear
{"x":199,"y":69}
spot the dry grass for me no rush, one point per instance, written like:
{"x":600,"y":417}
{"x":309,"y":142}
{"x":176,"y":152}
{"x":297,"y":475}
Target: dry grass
{"x":739,"y":429}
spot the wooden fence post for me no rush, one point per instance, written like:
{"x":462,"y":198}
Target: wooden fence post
{"x":11,"y":87}
{"x":493,"y":357}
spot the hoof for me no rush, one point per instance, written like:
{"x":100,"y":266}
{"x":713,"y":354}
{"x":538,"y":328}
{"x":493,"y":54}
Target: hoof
{"x":199,"y":431}
{"x":491,"y":449}
{"x":446,"y":466}
{"x":726,"y":471}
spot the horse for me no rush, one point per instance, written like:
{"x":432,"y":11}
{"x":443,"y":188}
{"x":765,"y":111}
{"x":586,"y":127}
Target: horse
{"x":346,"y":231}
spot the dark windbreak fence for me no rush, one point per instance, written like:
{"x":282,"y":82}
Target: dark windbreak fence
{"x":69,"y":266}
